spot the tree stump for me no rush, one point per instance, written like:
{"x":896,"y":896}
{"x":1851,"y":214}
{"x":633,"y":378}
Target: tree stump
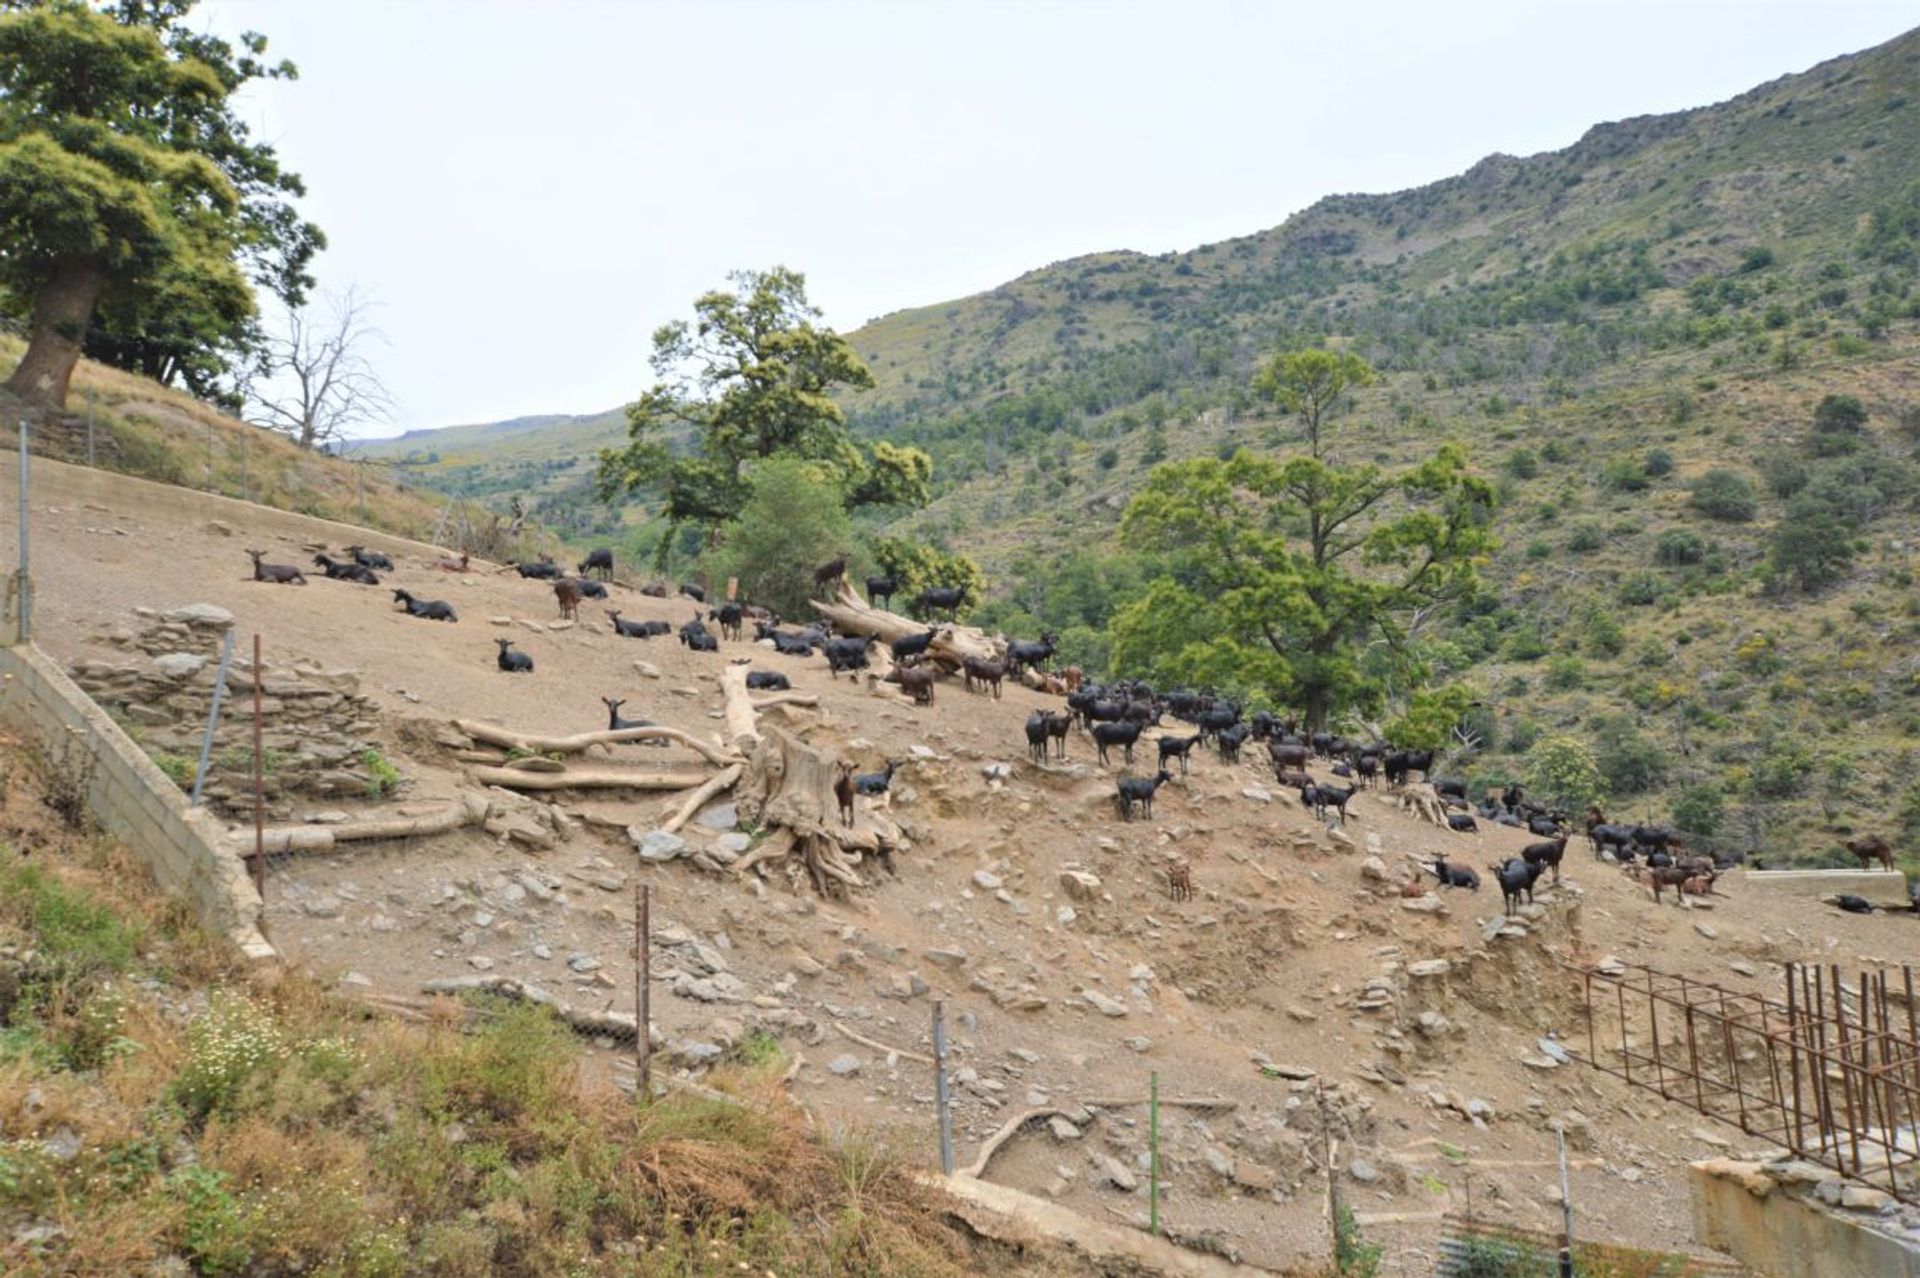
{"x":788,"y":789}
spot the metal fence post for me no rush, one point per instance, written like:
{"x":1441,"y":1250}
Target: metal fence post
{"x":642,"y":995}
{"x":942,"y":1099}
{"x":259,"y":788}
{"x":1566,"y":1209}
{"x":213,"y":716}
{"x":1153,"y":1153}
{"x":89,"y":425}
{"x":23,"y":581}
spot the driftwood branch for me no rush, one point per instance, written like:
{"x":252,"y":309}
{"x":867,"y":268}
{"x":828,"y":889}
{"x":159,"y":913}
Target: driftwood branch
{"x":508,"y":739}
{"x":1007,"y":1133}
{"x":471,"y":809}
{"x":864,"y":1041}
{"x":589,"y":779}
{"x":720,"y":781}
{"x":852,"y":615}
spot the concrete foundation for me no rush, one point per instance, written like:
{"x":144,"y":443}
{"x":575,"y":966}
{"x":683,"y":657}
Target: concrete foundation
{"x":1770,"y":1219}
{"x":1881,"y":887}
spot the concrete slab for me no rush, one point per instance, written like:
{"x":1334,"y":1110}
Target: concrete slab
{"x":1882,"y":887}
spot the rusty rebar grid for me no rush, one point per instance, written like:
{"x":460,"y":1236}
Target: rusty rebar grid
{"x":1831,"y":1074}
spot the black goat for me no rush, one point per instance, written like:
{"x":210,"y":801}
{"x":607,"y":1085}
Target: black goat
{"x":731,"y":617}
{"x":338,"y":570}
{"x":370,"y":558}
{"x":1139,"y":790}
{"x":1516,"y":878}
{"x":427,"y":609}
{"x":1462,"y":823}
{"x":280,"y":574}
{"x":1037,"y":736}
{"x":628,"y":629}
{"x":1332,"y":796}
{"x":875,"y":782}
{"x":513,"y":662}
{"x":945,"y":599}
{"x":1021,"y":653}
{"x":789,"y":645}
{"x":849,"y":655}
{"x":698,"y":638}
{"x":615,"y":723}
{"x":1116,"y":734}
{"x":913,"y":645}
{"x":598,"y":560}
{"x":879,"y":588}
{"x":1177,"y":748}
{"x":767,"y":681}
{"x":1401,"y":763}
{"x":589,"y":588}
{"x":1229,"y":741}
{"x":1456,"y":876}
{"x":544,"y":570}
{"x":696,"y":593}
{"x":1548,"y":854}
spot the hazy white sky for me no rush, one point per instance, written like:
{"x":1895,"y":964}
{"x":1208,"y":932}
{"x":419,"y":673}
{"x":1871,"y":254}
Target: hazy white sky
{"x":530,"y":188}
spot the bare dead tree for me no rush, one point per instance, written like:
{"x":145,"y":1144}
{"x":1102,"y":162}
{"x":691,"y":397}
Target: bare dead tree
{"x":313,"y":381}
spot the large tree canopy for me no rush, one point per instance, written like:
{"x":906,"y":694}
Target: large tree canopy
{"x":1287,"y":569}
{"x":133,"y":202}
{"x":752,"y":377}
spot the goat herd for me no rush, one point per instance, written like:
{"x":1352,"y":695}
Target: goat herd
{"x":1113,"y":715}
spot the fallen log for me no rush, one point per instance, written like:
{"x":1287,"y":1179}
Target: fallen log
{"x":852,"y":615}
{"x":584,"y":1020}
{"x":532,"y":743}
{"x":698,"y":799}
{"x":743,"y":729}
{"x":589,"y":779}
{"x":471,"y":809}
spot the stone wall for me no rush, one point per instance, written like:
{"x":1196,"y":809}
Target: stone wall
{"x":316,"y":731}
{"x":131,"y":797}
{"x":1792,"y":1219}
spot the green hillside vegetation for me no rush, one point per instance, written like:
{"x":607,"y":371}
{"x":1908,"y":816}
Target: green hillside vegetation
{"x":1703,"y":574}
{"x":142,"y":428}
{"x":167,"y":1110}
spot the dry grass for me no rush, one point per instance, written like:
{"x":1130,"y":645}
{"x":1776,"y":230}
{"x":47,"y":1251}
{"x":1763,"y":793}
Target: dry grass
{"x":159,"y":1101}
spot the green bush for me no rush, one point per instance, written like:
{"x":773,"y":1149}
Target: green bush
{"x":1700,"y":809}
{"x":1566,"y":673}
{"x":1658,"y":463}
{"x":794,"y":521}
{"x":1603,"y":633}
{"x":1630,"y":763}
{"x":1522,"y":464}
{"x":1840,"y":414}
{"x":1679,"y":546}
{"x":1810,"y":547}
{"x":1725,"y":495}
{"x":1785,"y":474}
{"x":1562,"y":773}
{"x":1642,"y":590}
{"x":1624,"y":475}
{"x":382,"y":777}
{"x":1586,"y":536}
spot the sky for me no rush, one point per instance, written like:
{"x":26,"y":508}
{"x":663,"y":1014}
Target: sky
{"x":528,"y":190}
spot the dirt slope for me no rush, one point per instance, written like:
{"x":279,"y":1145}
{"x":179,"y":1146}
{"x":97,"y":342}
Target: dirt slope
{"x":1286,"y":953}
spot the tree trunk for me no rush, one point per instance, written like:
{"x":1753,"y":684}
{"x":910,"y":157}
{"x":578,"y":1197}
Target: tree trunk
{"x":788,"y":789}
{"x":852,"y":615}
{"x":61,"y":314}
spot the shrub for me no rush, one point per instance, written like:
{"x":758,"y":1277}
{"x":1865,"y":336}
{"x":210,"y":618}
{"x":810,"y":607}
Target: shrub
{"x":1810,"y":547}
{"x":794,"y":521}
{"x":1641,"y":590}
{"x":1586,"y":537}
{"x":1725,"y":495}
{"x":1678,"y":546}
{"x":1784,"y":473}
{"x":1525,"y":644}
{"x":1562,"y":773}
{"x":1840,"y":414}
{"x":1522,"y":464}
{"x":1658,"y":462}
{"x":1700,"y":809}
{"x":1630,"y":763}
{"x":1603,"y":633}
{"x":1566,"y":673}
{"x":1624,"y":475}
{"x":1108,"y":458}
{"x":382,"y":777}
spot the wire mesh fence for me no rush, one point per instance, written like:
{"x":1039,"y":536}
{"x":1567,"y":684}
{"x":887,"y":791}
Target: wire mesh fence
{"x":1477,"y":1248}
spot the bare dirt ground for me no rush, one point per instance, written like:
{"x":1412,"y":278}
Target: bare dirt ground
{"x":1285,"y":955}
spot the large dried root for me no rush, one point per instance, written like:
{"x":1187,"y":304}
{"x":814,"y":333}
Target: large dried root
{"x":508,"y":739}
{"x":852,"y":615}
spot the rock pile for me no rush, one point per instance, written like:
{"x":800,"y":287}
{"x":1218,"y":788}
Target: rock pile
{"x":317,"y":725}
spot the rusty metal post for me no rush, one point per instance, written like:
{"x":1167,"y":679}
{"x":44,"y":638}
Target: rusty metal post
{"x":1653,"y":1025}
{"x":1846,"y":1070}
{"x":642,"y":995}
{"x":942,"y":1099}
{"x":259,"y":789}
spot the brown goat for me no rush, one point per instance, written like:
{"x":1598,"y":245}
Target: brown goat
{"x":1073,"y":677}
{"x":843,"y":791}
{"x":987,"y":674}
{"x":1412,"y":888}
{"x":1179,"y":880}
{"x":567,"y":591}
{"x":916,"y":681}
{"x":1870,"y":848}
{"x":283,"y":574}
{"x":655,"y":590}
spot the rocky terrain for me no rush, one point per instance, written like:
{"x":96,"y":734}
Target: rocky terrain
{"x":1432,"y":1032}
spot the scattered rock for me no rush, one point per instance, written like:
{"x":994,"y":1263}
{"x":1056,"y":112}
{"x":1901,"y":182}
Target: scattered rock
{"x":1431,"y":904}
{"x":1117,"y":1174}
{"x":657,"y":845}
{"x":1363,"y":1171}
{"x":1429,"y":967}
{"x":721,"y":816}
{"x":1062,"y":1129}
{"x":844,"y":1066}
{"x":988,"y":881}
{"x":646,"y":670}
{"x":1373,"y":870}
{"x":1081,"y":885}
{"x":1104,"y":1005}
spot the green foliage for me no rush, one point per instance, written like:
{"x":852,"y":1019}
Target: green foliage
{"x":1430,"y":718}
{"x":132,"y":196}
{"x":1630,"y":763}
{"x":178,"y":767}
{"x":1679,"y":546}
{"x":1840,"y":414}
{"x":753,"y":378}
{"x":1587,"y":536}
{"x":1313,"y":384}
{"x":382,"y":777}
{"x":1725,"y":495}
{"x":793,"y":522}
{"x":1353,"y":1256}
{"x":213,"y":1228}
{"x":1700,"y":809}
{"x":918,"y":566}
{"x":1642,"y":589}
{"x":1602,"y":631}
{"x":1624,"y":475}
{"x":1810,"y":547}
{"x":1522,"y":464}
{"x":1565,"y":673}
{"x":1257,"y":610}
{"x":77,"y":939}
{"x":1658,"y":463}
{"x":1563,"y":773}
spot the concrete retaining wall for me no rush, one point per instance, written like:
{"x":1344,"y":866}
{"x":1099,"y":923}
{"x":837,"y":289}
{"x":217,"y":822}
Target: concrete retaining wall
{"x":131,"y":798}
{"x":1784,"y":1235}
{"x":59,"y":484}
{"x":1878,"y":886}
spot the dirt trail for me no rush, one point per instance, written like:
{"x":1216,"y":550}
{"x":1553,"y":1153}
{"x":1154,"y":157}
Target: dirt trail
{"x":1062,"y":993}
